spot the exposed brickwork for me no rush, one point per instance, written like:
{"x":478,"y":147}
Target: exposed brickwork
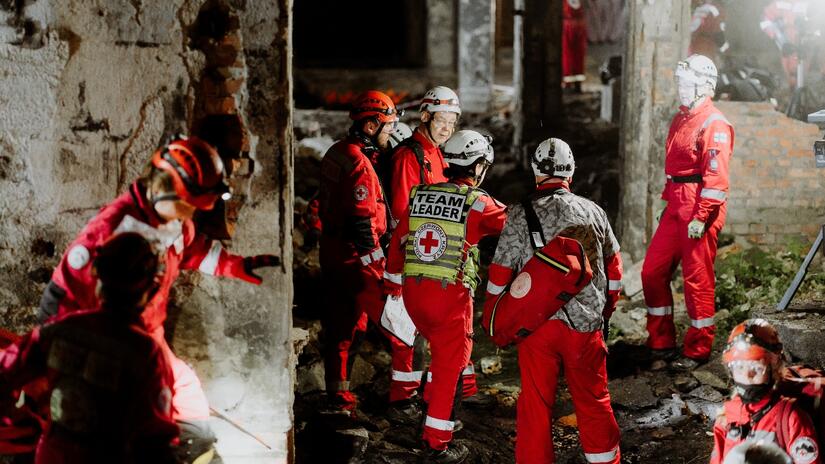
{"x":776,"y":191}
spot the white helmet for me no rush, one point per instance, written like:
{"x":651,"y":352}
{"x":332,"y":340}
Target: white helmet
{"x":696,"y":72}
{"x":553,"y":158}
{"x":467,"y":146}
{"x":440,"y":99}
{"x":752,"y":452}
{"x":401,"y":133}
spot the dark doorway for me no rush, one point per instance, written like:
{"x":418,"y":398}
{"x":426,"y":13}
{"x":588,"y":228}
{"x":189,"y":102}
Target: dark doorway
{"x":376,"y":34}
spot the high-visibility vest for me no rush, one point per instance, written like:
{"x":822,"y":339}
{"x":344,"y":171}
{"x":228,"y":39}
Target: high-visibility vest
{"x":438,"y":230}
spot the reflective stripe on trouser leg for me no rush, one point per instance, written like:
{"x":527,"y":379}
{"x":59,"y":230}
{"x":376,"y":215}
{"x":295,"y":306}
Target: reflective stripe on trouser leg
{"x":700,"y":282}
{"x":607,"y":456}
{"x":584,"y":358}
{"x":661,"y":259}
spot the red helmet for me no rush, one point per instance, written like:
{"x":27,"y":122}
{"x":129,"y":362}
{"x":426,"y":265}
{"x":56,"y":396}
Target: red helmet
{"x":753,"y":340}
{"x":127,"y":265}
{"x":374,"y":104}
{"x":196,"y":170}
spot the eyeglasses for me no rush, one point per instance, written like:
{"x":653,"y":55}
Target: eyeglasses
{"x":440,"y":122}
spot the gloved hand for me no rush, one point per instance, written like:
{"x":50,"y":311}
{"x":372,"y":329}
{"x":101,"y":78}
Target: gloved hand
{"x":696,"y":229}
{"x":663,"y":205}
{"x":250,"y":263}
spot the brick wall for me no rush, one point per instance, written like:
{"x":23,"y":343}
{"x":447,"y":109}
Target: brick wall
{"x":776,"y":191}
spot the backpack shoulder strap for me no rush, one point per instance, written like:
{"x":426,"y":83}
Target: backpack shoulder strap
{"x":533,"y":224}
{"x":418,"y":150}
{"x":783,"y":416}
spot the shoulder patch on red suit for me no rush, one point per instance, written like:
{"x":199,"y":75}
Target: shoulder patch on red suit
{"x":360,"y":192}
{"x":78,"y":257}
{"x":804,"y":450}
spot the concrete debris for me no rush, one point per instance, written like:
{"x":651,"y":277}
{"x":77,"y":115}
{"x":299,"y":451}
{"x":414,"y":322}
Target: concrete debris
{"x":632,"y":277}
{"x":707,"y":393}
{"x":362,"y":372}
{"x":353,"y":441}
{"x":630,"y":323}
{"x":632,"y":393}
{"x":314,"y":147}
{"x":490,"y":365}
{"x":706,"y":409}
{"x":310,"y":378}
{"x":801,"y":333}
{"x":709,"y":378}
{"x":685,"y":383}
{"x":671,"y":412}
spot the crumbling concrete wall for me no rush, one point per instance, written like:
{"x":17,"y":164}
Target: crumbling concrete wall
{"x":89,"y":90}
{"x":776,"y":192}
{"x":657,"y":37}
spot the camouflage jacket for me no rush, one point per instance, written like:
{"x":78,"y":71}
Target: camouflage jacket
{"x":564,"y":213}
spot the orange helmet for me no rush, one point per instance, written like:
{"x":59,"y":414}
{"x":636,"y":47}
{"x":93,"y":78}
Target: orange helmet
{"x":196,"y":169}
{"x":753,"y":340}
{"x":374,"y":104}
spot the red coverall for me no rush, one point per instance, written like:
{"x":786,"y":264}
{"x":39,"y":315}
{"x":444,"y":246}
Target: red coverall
{"x":573,"y":42}
{"x":110,"y":389}
{"x":406,"y":173}
{"x":444,"y":316}
{"x":73,"y":285}
{"x":797,"y":435}
{"x":571,"y":341}
{"x":707,"y":29}
{"x":354,"y":217}
{"x":698,"y":149}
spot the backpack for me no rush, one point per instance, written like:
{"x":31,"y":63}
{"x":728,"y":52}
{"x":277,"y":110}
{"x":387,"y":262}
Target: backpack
{"x":806,"y":386}
{"x":558,"y":271}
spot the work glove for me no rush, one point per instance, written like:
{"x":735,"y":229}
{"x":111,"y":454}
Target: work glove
{"x":251,"y":263}
{"x":696,"y":229}
{"x":663,"y":204}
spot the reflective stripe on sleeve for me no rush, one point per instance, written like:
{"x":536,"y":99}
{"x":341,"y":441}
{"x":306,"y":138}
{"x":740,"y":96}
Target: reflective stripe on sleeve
{"x":372,"y":256}
{"x":713,"y":194}
{"x":210,"y":262}
{"x":394,"y":278}
{"x":494,"y":289}
{"x":469,"y":370}
{"x":614,"y":285}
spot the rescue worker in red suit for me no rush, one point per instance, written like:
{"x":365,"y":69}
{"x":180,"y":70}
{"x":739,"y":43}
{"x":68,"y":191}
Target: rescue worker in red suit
{"x":182,"y":177}
{"x":109,"y":381}
{"x":572,"y":340}
{"x":781,"y":21}
{"x":698,"y":149}
{"x":419,"y":160}
{"x":573,"y":44}
{"x":433,"y":262}
{"x":756,"y":412}
{"x":354,"y":215}
{"x":707,"y":31}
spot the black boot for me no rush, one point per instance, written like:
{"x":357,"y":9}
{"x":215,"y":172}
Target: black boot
{"x":405,"y":412}
{"x":454,"y":453}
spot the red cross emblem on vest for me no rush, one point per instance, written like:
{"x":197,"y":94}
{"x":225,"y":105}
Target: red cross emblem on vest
{"x":430,"y":241}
